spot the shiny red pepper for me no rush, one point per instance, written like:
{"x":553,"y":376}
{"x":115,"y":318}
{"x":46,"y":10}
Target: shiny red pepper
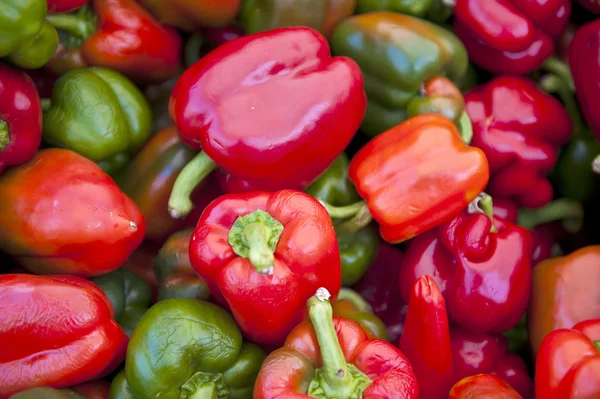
{"x":510,"y":36}
{"x":568,"y":363}
{"x":276,"y":103}
{"x":57,"y":6}
{"x":20,"y":117}
{"x":485,"y":276}
{"x":264,"y":254}
{"x":483,"y":386}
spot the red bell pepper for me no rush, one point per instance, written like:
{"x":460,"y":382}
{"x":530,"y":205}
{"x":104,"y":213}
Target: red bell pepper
{"x":189,"y":15}
{"x":426,"y":339}
{"x":55,"y":331}
{"x":520,"y":129}
{"x":20,"y":117}
{"x":58,"y":6}
{"x":125,"y":38}
{"x":568,"y":363}
{"x":510,"y":36}
{"x":61,"y":214}
{"x":482,"y":269}
{"x":331,"y":357}
{"x":276,"y":102}
{"x":483,"y":386}
{"x":264,"y":254}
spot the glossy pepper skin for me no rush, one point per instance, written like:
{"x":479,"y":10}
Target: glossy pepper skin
{"x":129,"y":295}
{"x":510,"y":36}
{"x":149,"y":177}
{"x":563,"y":293}
{"x":568,"y":362}
{"x":28,"y":40}
{"x":350,"y":305}
{"x":73,"y":220}
{"x":176,"y":276}
{"x":188,"y":331}
{"x":308,"y":364}
{"x":424,"y":169}
{"x":433,"y":10}
{"x":20,"y":117}
{"x":59,"y":6}
{"x":107,"y":135}
{"x":485,"y":276}
{"x":120,"y":35}
{"x":263,"y":15}
{"x":391,"y":85}
{"x":264,"y":254}
{"x":58,"y":331}
{"x":520,"y":129}
{"x":202,"y":106}
{"x":192,"y":14}
{"x":483,"y":386}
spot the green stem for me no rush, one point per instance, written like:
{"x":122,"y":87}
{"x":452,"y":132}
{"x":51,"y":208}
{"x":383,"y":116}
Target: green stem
{"x":466,"y":128}
{"x":596,"y":165}
{"x":76,"y":25}
{"x":359,"y":221}
{"x":193,"y":47}
{"x":348,"y":294}
{"x":344,"y":212}
{"x":180,"y":204}
{"x":4,"y":136}
{"x":207,"y":391}
{"x":484,"y":204}
{"x":561,"y":69}
{"x":261,"y":256}
{"x":554,"y":84}
{"x":565,"y":209}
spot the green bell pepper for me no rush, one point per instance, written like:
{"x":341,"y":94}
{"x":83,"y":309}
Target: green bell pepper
{"x":98,"y":113}
{"x":333,"y":186}
{"x":26,"y":38}
{"x":433,"y":10}
{"x":397,"y":54}
{"x":184,"y":348}
{"x":174,"y":272}
{"x":576,"y":160}
{"x":350,"y":305}
{"x":129,"y":295}
{"x":47,"y":393}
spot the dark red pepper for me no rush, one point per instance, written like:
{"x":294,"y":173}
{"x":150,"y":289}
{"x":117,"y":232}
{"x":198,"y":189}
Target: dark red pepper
{"x":483,"y":386}
{"x":57,"y":6}
{"x":590,"y":5}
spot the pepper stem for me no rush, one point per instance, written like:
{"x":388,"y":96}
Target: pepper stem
{"x":208,"y":391}
{"x":359,"y":221}
{"x":4,"y":136}
{"x":180,"y":204}
{"x":191,"y":51}
{"x":348,"y":294}
{"x":561,"y":69}
{"x":483,"y":204}
{"x":344,"y":212}
{"x":80,"y":25}
{"x":203,"y":385}
{"x":554,"y":84}
{"x":336,"y":379}
{"x":565,"y":209}
{"x":466,"y":128}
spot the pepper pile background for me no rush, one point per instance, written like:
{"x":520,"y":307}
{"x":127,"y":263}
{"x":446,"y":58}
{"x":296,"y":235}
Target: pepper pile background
{"x":377,"y":199}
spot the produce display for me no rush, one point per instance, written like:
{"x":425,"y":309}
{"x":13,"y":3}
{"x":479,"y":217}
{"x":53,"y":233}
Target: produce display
{"x":296,"y":199}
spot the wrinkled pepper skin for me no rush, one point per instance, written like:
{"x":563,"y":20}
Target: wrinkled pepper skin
{"x":202,"y":105}
{"x":60,"y":6}
{"x":190,"y":15}
{"x":568,"y":363}
{"x":433,"y":10}
{"x":483,"y":386}
{"x":20,"y":117}
{"x":47,"y":393}
{"x":563,"y":293}
{"x":129,"y":295}
{"x":590,"y":5}
{"x":176,"y":276}
{"x":74,"y":220}
{"x":520,"y":129}
{"x":149,"y":178}
{"x":28,"y":40}
{"x":391,"y":85}
{"x":350,"y":305}
{"x":107,"y":135}
{"x":417,"y":175}
{"x":304,"y":256}
{"x":56,"y":331}
{"x":119,"y":35}
{"x":188,"y":331}
{"x":510,"y":36}
{"x":485,"y":277}
{"x":263,"y":15}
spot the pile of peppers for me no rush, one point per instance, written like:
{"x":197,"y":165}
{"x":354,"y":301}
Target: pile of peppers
{"x":288,"y":199}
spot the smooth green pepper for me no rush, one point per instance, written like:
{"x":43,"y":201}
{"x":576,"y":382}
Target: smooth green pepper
{"x":98,"y":113}
{"x":575,"y":160}
{"x":433,"y":10}
{"x":333,"y":186}
{"x":397,"y":54}
{"x":183,"y":349}
{"x":129,"y":295}
{"x":26,"y":38}
{"x":47,"y":393}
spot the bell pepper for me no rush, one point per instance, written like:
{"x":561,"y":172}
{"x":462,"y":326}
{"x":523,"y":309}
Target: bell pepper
{"x":176,"y":276}
{"x":141,"y":262}
{"x":264,"y":254}
{"x":483,"y":268}
{"x":120,"y":35}
{"x":28,"y":40}
{"x":433,"y":10}
{"x":129,"y":295}
{"x":201,"y":355}
{"x":59,"y":6}
{"x":417,"y":175}
{"x":263,"y":15}
{"x":61,"y":214}
{"x":590,"y":5}
{"x":57,"y":331}
{"x":426,"y":339}
{"x":47,"y":393}
{"x":391,"y":85}
{"x":109,"y":134}
{"x":332,"y":357}
{"x":333,"y":186}
{"x":568,"y":362}
{"x":190,"y":15}
{"x":98,"y":389}
{"x":20,"y":117}
{"x":520,"y":129}
{"x":328,"y":105}
{"x":563,"y":293}
{"x":149,"y":178}
{"x":350,"y":305}
{"x":510,"y":36}
{"x":483,"y":386}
